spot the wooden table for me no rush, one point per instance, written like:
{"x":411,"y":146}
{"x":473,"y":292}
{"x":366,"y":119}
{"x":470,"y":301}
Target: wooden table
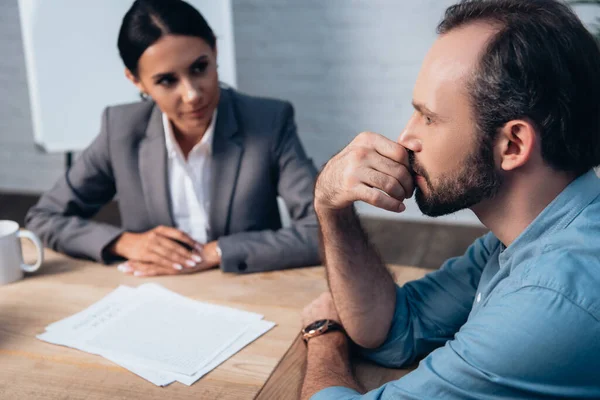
{"x":32,"y":369}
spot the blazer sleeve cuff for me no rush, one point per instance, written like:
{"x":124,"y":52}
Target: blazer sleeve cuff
{"x":233,"y":258}
{"x":106,"y":236}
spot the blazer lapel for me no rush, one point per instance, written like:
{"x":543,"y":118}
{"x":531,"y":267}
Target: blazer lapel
{"x":225,"y":162}
{"x":153,"y":171}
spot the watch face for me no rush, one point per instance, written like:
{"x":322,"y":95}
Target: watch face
{"x":315,"y":325}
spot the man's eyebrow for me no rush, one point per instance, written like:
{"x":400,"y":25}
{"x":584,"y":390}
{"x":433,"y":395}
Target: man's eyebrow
{"x":422,"y":108}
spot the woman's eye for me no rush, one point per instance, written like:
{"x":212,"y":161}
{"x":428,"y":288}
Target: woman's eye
{"x":199,"y":68}
{"x":166,"y":81}
{"x":428,"y":120}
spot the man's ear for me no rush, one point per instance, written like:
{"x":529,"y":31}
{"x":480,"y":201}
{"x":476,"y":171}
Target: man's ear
{"x":133,"y":79}
{"x":515,"y":144}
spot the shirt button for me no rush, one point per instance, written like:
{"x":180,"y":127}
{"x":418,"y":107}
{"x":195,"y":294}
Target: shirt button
{"x":478,"y":297}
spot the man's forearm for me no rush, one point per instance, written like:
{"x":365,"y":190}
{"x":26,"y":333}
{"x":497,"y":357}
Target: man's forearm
{"x":363,"y":290}
{"x":327,"y":365}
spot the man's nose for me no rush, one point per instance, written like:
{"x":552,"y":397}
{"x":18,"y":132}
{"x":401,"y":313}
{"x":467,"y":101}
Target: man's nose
{"x":410,"y":141}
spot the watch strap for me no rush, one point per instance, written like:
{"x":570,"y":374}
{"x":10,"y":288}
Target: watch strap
{"x":326,"y":326}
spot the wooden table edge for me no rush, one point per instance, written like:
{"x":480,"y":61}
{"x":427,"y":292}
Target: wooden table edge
{"x":271,"y":379}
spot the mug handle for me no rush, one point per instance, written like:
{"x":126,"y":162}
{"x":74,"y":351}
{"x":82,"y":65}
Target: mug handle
{"x":23,"y":233}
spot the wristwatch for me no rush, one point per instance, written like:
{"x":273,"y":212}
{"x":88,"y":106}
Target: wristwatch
{"x":321,"y":327}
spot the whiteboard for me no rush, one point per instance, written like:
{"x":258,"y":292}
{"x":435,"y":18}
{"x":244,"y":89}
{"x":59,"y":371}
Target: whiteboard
{"x":74,"y":70}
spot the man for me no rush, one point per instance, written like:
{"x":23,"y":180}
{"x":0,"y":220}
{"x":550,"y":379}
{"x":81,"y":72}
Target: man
{"x":506,"y":123}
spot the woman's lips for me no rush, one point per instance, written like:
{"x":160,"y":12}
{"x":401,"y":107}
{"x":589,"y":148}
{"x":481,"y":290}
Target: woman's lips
{"x":198,"y":112}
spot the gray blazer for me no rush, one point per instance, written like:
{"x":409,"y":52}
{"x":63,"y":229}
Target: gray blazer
{"x":257,"y":156}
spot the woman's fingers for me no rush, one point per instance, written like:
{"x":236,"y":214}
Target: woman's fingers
{"x":141,"y":268}
{"x":176,"y":234}
{"x":172,"y":254}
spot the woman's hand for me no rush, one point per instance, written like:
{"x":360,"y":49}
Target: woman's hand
{"x":163,"y":251}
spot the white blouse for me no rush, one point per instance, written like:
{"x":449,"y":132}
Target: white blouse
{"x":189,"y":182}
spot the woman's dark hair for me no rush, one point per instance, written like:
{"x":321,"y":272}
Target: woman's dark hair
{"x":149,"y":20}
{"x":543,"y":65}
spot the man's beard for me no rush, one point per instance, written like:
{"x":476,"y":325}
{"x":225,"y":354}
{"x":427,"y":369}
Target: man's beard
{"x":477,"y":181}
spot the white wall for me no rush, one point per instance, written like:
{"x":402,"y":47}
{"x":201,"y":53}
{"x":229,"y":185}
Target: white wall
{"x":347,"y":65}
{"x":22,"y":167}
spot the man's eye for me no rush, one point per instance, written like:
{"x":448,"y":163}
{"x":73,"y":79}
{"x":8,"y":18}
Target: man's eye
{"x":428,"y":120}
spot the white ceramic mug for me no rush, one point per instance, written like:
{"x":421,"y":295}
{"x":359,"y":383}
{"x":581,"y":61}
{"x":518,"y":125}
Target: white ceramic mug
{"x":11,"y":254}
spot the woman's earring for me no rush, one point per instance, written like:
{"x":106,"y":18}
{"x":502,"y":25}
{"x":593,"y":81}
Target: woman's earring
{"x":144,"y":96}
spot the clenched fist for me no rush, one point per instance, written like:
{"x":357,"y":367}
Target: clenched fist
{"x":372,"y":169}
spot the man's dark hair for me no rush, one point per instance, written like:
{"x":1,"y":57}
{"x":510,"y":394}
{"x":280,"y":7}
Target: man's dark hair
{"x":541,"y":65}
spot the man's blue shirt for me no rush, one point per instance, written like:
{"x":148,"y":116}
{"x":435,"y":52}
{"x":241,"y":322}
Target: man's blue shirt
{"x":521,"y":322}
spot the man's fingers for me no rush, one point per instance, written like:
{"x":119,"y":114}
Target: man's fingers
{"x":384,"y":146}
{"x":397,"y":171}
{"x":379,"y":199}
{"x":388,"y":157}
{"x":383,"y":182}
{"x":370,"y":162}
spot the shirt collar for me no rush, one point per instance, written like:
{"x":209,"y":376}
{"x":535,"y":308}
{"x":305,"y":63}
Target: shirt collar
{"x":559,"y":213}
{"x":173,"y":147}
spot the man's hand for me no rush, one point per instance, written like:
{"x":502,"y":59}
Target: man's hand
{"x":163,"y":251}
{"x":324,"y":308}
{"x":376,"y":170}
{"x":327,"y":358}
{"x":321,"y":308}
{"x":372,"y":169}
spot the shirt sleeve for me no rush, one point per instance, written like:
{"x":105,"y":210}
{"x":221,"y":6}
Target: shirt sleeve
{"x":529,"y":344}
{"x":431,"y":310}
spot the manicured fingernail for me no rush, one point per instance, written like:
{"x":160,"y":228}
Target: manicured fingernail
{"x":190,"y":263}
{"x":177,"y":267}
{"x":196,"y":258}
{"x":138,"y":273}
{"x":124,"y":268}
{"x":198,"y":247}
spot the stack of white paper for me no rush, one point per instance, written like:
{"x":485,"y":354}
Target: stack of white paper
{"x":157,"y":334}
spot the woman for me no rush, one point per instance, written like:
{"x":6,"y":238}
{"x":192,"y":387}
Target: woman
{"x":197,"y":170}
